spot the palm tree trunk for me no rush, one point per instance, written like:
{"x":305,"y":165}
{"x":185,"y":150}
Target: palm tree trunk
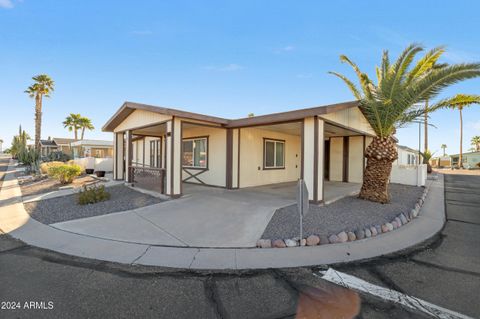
{"x":425,"y":142}
{"x":460,"y":157}
{"x":83,"y":132}
{"x":380,"y":155}
{"x":38,"y":120}
{"x":75,"y":133}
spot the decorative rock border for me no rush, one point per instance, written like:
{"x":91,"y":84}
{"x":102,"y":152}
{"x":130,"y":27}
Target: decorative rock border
{"x":348,"y":235}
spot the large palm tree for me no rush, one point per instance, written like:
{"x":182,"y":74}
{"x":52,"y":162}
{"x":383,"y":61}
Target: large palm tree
{"x":459,"y":102}
{"x":434,"y":65}
{"x":475,"y":141}
{"x":43,"y":86}
{"x":73,"y":122}
{"x":85,"y":124}
{"x":389,"y":104}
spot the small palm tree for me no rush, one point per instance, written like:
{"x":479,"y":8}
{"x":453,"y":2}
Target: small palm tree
{"x":475,"y":141}
{"x":43,"y":86}
{"x":73,"y":122}
{"x":459,"y":102}
{"x":85,"y":124}
{"x":390,"y":104}
{"x":443,"y":147}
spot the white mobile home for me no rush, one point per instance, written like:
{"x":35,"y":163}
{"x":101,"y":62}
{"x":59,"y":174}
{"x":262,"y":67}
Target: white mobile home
{"x":171,"y":147}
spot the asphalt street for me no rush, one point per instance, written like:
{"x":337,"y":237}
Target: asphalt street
{"x":443,"y":271}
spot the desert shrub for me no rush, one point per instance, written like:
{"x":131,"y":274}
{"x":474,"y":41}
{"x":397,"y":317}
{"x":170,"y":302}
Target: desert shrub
{"x":478,"y":164}
{"x":30,"y":158}
{"x":65,"y":173}
{"x":56,"y":156}
{"x":92,"y":195}
{"x":46,"y":165}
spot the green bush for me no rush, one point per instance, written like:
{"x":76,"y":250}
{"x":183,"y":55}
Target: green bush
{"x":92,"y":195}
{"x":30,"y":158}
{"x":46,"y":165}
{"x":65,"y":173}
{"x":56,"y":156}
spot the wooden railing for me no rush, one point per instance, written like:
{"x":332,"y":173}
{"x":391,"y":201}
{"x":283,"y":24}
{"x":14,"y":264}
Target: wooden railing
{"x":150,"y":178}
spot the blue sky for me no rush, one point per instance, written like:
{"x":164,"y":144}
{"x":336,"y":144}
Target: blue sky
{"x":223,"y":58}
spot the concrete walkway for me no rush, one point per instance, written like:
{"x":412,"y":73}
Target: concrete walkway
{"x":15,"y":221}
{"x":204,"y":217}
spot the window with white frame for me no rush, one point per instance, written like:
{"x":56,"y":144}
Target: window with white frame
{"x":274,"y":154}
{"x":195,"y":152}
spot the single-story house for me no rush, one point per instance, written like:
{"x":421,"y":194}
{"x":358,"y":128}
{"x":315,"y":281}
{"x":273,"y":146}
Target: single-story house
{"x":56,"y":144}
{"x":470,"y":159}
{"x":173,"y":147}
{"x":406,"y":156}
{"x":92,"y":148}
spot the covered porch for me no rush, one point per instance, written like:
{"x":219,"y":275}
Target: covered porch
{"x":164,"y":150}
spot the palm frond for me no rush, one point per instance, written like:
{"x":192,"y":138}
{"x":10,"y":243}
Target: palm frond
{"x":428,"y":62}
{"x":349,"y":84}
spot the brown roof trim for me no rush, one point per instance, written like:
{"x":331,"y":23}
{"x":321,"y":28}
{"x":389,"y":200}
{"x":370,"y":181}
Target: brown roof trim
{"x":128,"y":107}
{"x":291,"y":115}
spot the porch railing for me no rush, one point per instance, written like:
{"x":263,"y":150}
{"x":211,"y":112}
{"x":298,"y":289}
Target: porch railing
{"x":150,"y":178}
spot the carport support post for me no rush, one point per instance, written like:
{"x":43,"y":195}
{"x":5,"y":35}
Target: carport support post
{"x":173,"y":178}
{"x":128,"y":157}
{"x":118,"y":156}
{"x":313,"y":153}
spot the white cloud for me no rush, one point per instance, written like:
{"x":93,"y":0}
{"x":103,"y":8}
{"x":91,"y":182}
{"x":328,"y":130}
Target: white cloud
{"x":288,"y":48}
{"x":232,"y":67}
{"x":459,"y":56}
{"x":474,"y":125}
{"x":6,"y":4}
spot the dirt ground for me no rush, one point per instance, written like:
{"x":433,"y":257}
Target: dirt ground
{"x":45,"y":185}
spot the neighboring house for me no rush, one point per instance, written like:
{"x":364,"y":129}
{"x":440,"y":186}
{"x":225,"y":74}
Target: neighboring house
{"x":406,"y":156}
{"x":63,"y":144}
{"x":176,"y":147}
{"x":470,"y":160}
{"x":47,"y":147}
{"x":92,"y":148}
{"x":442,"y":161}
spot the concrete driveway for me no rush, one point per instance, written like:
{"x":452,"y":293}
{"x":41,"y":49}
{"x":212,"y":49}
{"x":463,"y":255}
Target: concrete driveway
{"x":203,"y":217}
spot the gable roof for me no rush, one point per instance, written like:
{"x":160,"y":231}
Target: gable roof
{"x":129,"y":107}
{"x":48,"y":143}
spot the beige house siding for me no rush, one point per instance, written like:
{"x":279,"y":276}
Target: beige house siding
{"x":251,"y":158}
{"x":216,"y":158}
{"x":141,"y":118}
{"x":336,"y":159}
{"x":355,"y":159}
{"x":352,"y":118}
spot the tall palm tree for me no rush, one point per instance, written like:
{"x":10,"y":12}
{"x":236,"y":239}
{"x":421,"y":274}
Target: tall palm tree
{"x":433,"y":65}
{"x":443,"y":147}
{"x":459,"y":102}
{"x":43,"y":86}
{"x":73,"y":122}
{"x":390,"y":104}
{"x":475,"y":141}
{"x":85,"y":123}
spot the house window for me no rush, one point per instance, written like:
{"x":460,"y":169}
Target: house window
{"x":195,"y":152}
{"x":274,"y":154}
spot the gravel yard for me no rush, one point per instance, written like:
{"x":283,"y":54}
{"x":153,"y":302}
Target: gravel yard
{"x":346,"y":214}
{"x":45,"y":185}
{"x":65,"y":208}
